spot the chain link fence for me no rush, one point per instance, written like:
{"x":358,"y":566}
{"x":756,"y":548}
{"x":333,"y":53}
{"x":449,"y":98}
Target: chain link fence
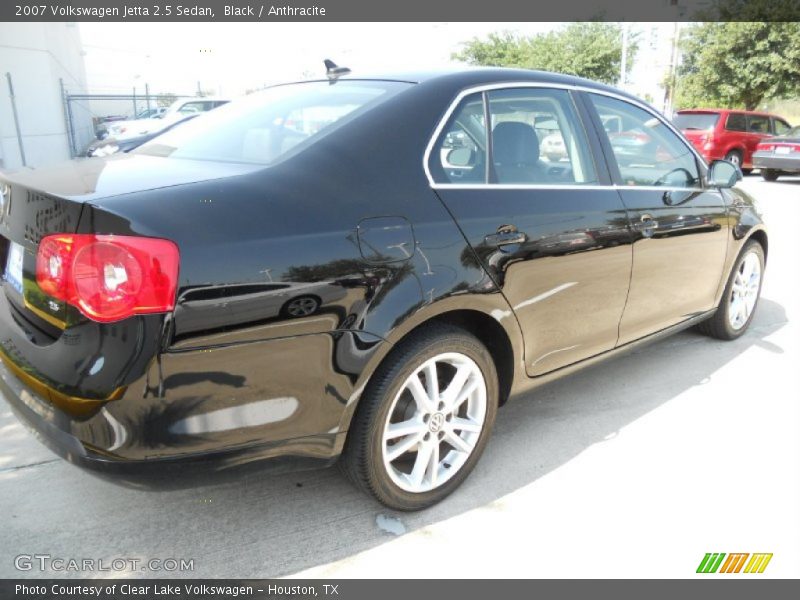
{"x":88,"y":116}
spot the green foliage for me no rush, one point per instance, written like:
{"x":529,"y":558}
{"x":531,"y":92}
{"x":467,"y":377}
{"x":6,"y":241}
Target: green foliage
{"x":591,"y":49}
{"x":752,"y":10}
{"x":738,"y":65}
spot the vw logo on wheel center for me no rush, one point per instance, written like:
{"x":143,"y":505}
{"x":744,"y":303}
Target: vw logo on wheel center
{"x":436,"y":422}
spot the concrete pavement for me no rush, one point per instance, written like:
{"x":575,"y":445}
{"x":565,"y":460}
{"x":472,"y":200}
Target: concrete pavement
{"x":633,"y":468}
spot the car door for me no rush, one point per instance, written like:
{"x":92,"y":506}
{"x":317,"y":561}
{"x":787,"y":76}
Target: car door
{"x":553,"y":233}
{"x":680,"y":226}
{"x":758,"y":129}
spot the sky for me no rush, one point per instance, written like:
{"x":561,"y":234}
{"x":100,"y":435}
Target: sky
{"x":230,"y":58}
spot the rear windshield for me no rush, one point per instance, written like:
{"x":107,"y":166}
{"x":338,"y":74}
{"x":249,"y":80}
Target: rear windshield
{"x":269,"y":126}
{"x":697,"y":121}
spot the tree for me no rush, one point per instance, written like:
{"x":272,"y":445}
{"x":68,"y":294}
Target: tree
{"x":738,"y":65}
{"x":592,"y":50}
{"x":166,"y":98}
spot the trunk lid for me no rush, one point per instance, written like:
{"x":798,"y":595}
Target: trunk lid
{"x":41,"y":202}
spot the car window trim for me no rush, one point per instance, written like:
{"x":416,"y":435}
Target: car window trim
{"x":536,"y":84}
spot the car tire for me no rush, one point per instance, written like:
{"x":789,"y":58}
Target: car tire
{"x":735,"y":157}
{"x":740,"y":299}
{"x":432,"y":447}
{"x":770,"y":174}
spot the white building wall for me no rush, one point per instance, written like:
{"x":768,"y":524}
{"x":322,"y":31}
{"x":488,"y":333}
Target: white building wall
{"x":37,"y":55}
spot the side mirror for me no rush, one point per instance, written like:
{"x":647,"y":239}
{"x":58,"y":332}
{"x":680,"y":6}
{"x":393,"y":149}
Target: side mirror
{"x":723,"y":174}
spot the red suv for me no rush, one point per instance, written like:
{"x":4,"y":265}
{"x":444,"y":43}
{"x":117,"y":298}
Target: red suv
{"x":729,"y":134}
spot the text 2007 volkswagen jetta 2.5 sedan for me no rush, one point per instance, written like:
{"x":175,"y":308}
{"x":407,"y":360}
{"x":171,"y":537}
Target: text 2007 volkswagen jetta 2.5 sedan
{"x":360,"y":269}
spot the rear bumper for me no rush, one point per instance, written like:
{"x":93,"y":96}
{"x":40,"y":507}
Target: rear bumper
{"x":46,"y":422}
{"x":770,"y":161}
{"x":65,"y":435}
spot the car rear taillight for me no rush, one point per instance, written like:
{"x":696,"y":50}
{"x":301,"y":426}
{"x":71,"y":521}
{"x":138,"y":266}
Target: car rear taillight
{"x":109,"y":277}
{"x":765,"y":147}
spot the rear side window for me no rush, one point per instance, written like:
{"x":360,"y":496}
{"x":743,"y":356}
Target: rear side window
{"x":459,"y":155}
{"x":695,"y":121}
{"x":647,"y":152}
{"x":757,"y":124}
{"x":269,"y":126}
{"x":736,"y":122}
{"x":537,"y":138}
{"x":193,"y":107}
{"x":534,"y":137}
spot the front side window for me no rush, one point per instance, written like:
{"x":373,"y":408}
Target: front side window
{"x":647,"y":152}
{"x":781,"y":127}
{"x":269,"y":126}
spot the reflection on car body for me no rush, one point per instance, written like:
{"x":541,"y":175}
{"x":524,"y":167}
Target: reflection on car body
{"x":216,"y":307}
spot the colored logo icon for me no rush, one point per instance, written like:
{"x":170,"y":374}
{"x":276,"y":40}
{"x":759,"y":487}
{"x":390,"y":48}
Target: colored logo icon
{"x":713,"y":563}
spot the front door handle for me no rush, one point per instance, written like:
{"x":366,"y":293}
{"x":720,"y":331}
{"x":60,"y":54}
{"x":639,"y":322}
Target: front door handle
{"x":506,"y":235}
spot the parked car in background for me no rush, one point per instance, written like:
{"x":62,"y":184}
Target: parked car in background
{"x":273,"y":282}
{"x":109,"y":145}
{"x":779,"y":155}
{"x":122,"y":130}
{"x":732,"y":135}
{"x":101,"y":124}
{"x":151,"y":113}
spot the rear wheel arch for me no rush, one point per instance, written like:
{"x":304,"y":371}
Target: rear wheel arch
{"x":502,"y":340}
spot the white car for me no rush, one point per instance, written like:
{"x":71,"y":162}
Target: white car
{"x":122,"y":130}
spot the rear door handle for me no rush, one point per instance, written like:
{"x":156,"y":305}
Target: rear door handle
{"x":645,"y":223}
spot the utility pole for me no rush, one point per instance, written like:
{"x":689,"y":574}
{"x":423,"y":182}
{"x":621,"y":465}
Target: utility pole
{"x":13,"y":99}
{"x":623,"y":72}
{"x":669,"y":100}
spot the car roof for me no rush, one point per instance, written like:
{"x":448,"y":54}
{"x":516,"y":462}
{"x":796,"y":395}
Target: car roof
{"x":726,"y":110}
{"x":464,"y":77}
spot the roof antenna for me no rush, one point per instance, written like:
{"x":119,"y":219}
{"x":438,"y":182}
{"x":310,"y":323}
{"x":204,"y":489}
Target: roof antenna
{"x":333,"y":71}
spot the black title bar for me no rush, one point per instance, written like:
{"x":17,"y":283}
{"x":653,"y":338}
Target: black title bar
{"x":408,"y":10}
{"x":713,"y":586}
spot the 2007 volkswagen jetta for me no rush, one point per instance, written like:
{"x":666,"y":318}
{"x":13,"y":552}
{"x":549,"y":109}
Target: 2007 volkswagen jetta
{"x":358,"y":269}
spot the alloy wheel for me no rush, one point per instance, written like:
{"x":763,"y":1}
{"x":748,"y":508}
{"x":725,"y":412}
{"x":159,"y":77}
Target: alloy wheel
{"x":302,"y":307}
{"x":434,"y":422}
{"x":744,"y":292}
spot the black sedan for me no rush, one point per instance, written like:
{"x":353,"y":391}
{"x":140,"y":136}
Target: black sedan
{"x":317,"y":273}
{"x":779,"y":155}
